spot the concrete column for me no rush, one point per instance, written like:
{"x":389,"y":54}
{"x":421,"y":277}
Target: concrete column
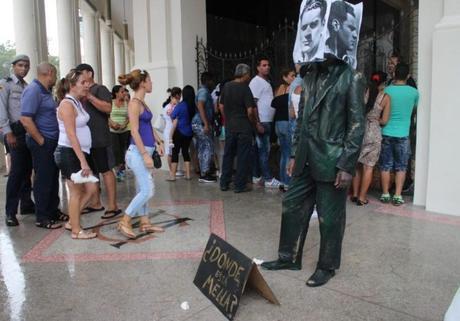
{"x":164,"y":41}
{"x":119,"y":57}
{"x":107,"y":55}
{"x":91,"y":38}
{"x":68,"y":35}
{"x":30,"y":32}
{"x":127,"y":57}
{"x":437,"y":174}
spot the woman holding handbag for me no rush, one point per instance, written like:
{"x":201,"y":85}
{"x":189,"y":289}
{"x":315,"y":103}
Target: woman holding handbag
{"x":144,"y":141}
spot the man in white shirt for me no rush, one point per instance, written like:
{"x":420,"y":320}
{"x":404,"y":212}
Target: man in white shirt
{"x":263,"y":96}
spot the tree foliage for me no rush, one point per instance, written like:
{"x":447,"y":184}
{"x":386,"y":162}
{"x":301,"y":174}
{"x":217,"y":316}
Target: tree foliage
{"x":7,"y":53}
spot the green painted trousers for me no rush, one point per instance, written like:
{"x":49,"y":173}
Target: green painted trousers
{"x":298,"y":205}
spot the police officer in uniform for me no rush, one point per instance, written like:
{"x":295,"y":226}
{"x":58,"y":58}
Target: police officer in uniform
{"x":18,"y":187}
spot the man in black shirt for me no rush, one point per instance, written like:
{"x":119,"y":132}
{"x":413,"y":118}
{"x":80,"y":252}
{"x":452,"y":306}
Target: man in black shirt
{"x":240,"y":116}
{"x":98,"y":105}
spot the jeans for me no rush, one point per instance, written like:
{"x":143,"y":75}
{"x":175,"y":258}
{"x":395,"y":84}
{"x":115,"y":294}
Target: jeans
{"x":145,"y":187}
{"x":19,"y":185}
{"x":263,"y":148}
{"x":293,"y":126}
{"x":395,"y":154}
{"x":46,"y":182}
{"x":239,"y":145}
{"x":204,"y":146}
{"x":283,"y":131}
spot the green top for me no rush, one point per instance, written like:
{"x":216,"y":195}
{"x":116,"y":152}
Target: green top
{"x":119,"y":115}
{"x":404,"y":99}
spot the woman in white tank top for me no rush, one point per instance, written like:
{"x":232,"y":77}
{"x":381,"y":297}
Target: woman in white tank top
{"x":72,"y":153}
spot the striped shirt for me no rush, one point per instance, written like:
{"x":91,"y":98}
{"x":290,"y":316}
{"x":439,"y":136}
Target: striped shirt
{"x":119,"y":115}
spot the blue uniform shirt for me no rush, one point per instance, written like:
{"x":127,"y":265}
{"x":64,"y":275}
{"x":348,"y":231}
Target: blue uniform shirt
{"x":38,"y":103}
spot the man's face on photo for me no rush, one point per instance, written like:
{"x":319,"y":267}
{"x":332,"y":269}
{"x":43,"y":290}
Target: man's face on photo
{"x":348,"y":33}
{"x":311,"y":27}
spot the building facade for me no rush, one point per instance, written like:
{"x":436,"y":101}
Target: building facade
{"x":160,"y":36}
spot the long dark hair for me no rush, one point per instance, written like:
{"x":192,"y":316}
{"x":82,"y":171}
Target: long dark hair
{"x":115,"y":90}
{"x":376,"y":80}
{"x":188,"y":95}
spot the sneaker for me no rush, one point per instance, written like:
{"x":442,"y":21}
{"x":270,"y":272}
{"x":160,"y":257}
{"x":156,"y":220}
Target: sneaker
{"x":274,"y":183}
{"x":256,"y":180}
{"x":180,"y":173}
{"x":385,"y":198}
{"x":207,"y":179}
{"x":120,"y":177}
{"x":397,"y":200}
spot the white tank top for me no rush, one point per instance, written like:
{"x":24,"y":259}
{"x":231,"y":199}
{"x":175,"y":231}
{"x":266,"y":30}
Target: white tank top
{"x":81,"y":127}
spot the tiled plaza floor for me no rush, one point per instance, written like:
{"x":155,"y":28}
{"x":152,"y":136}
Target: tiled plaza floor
{"x":398,"y":263}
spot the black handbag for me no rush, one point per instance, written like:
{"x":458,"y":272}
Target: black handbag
{"x":156,"y":160}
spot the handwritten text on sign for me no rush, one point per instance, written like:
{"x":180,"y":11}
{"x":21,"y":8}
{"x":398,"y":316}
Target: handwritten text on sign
{"x":222,"y":275}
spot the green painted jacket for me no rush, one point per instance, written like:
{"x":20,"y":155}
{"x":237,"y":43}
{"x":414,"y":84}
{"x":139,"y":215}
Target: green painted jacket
{"x":331,"y":121}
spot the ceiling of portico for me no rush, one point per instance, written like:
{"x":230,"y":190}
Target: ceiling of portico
{"x":121,"y":10}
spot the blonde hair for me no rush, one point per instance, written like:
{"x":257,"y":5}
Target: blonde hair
{"x":134,"y":78}
{"x":65,"y":83}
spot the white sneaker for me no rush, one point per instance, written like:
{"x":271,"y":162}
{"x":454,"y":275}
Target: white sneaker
{"x":274,"y":183}
{"x":180,"y":173}
{"x":256,"y":180}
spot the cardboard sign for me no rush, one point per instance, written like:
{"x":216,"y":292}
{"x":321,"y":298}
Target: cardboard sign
{"x":223,"y":275}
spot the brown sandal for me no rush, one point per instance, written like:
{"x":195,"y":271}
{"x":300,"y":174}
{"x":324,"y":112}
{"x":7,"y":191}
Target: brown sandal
{"x":125,"y":228}
{"x":147,"y":227}
{"x":83,"y":235}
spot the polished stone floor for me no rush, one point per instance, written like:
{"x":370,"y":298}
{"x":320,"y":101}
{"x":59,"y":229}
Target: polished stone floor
{"x":399,"y":264}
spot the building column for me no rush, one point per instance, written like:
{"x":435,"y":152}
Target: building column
{"x":127,"y":56}
{"x":91,"y":38}
{"x":119,"y":57}
{"x":107,"y":54}
{"x":68,"y":35}
{"x":437,"y":174}
{"x":30,"y":32}
{"x":164,"y":38}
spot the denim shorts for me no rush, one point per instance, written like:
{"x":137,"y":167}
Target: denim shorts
{"x":395,"y":154}
{"x":67,"y":161}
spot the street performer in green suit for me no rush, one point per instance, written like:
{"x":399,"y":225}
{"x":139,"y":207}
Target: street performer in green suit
{"x":326,"y":146}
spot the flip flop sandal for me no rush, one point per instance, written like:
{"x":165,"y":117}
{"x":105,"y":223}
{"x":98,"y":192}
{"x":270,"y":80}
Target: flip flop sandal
{"x":110,"y":214}
{"x":63,"y":217}
{"x":361,"y":203}
{"x":50,"y":225}
{"x":83,"y":235}
{"x":89,"y":209}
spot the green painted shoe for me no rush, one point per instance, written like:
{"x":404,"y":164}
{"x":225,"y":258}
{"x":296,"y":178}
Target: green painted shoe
{"x":397,"y":200}
{"x":385,"y":198}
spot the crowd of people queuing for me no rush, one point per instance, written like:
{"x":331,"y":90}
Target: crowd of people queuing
{"x":97,"y":133}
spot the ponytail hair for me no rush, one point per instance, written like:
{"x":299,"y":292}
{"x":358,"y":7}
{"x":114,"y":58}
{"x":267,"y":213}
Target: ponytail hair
{"x":134,"y":78}
{"x":66,"y":83}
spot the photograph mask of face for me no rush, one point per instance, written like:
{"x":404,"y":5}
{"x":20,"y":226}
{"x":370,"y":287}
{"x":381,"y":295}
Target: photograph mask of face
{"x":328,"y":27}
